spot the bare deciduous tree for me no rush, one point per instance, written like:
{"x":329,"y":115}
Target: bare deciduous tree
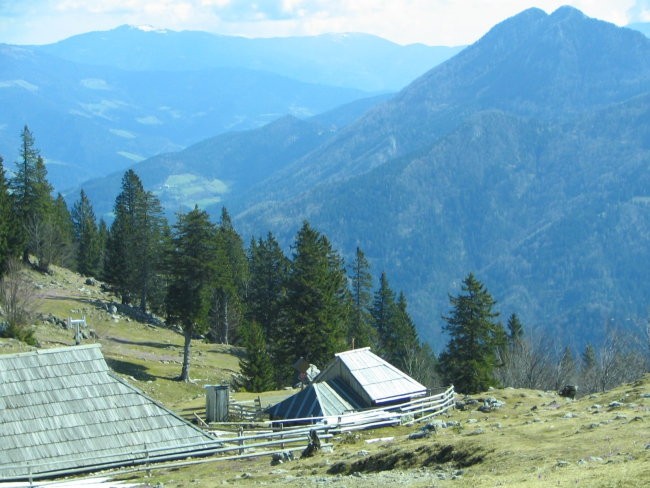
{"x":528,"y":362}
{"x":620,"y":358}
{"x":47,"y":243}
{"x":17,"y":298}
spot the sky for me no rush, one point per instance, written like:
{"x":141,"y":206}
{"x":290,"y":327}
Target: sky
{"x":432,"y":22}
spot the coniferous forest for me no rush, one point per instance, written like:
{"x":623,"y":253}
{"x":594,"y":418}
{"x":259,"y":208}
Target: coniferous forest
{"x":206,"y":282}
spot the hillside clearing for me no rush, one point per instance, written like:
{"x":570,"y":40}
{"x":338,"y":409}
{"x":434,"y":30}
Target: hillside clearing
{"x":535,"y":439}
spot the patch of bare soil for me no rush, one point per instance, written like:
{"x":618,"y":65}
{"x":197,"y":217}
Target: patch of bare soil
{"x":459,"y":456}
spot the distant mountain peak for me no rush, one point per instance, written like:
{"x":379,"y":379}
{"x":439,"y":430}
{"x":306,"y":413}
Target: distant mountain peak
{"x":150,"y":28}
{"x":140,"y":28}
{"x":567,"y":12}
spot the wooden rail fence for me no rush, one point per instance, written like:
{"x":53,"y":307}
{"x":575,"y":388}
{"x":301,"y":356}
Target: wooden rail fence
{"x":278,"y":436}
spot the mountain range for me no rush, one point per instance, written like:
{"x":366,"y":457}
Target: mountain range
{"x":523,"y":158}
{"x":101,"y":101}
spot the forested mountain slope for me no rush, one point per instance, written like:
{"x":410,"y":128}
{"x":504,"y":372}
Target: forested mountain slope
{"x":523,"y":159}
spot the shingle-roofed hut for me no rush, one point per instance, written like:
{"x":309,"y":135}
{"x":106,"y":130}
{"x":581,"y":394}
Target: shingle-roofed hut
{"x":62,"y":411}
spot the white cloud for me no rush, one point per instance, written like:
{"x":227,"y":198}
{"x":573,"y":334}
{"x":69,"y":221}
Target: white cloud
{"x":640,"y":11}
{"x":26,"y":85}
{"x":95,"y":84}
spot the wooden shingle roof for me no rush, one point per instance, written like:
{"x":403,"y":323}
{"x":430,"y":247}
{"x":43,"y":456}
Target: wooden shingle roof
{"x":63,"y":410}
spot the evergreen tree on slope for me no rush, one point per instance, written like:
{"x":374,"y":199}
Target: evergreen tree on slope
{"x":191,"y":267}
{"x":316,"y":308}
{"x":31,"y":196}
{"x":469,"y":360}
{"x":88,"y":250}
{"x":361,"y":332}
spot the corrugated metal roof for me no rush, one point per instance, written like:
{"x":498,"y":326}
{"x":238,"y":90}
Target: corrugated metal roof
{"x":316,"y":400}
{"x":378,"y":381}
{"x":63,"y":409}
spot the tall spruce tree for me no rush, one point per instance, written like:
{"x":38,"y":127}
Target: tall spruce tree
{"x":383,"y":316}
{"x":7,"y":223}
{"x":257,"y":365}
{"x":88,"y":245}
{"x":316,"y":308}
{"x":406,"y":343}
{"x":397,"y":337}
{"x":121,"y":256}
{"x":269,"y":269}
{"x":515,"y":328}
{"x":61,"y":242}
{"x":230,"y":284}
{"x":191,"y":266}
{"x":469,"y":360}
{"x":102,"y":238}
{"x":31,"y":196}
{"x":361,"y":333}
{"x":135,"y":242}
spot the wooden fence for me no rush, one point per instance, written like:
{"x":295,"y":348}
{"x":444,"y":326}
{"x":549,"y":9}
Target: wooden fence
{"x":273,"y":438}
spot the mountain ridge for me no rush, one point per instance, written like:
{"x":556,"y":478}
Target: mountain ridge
{"x":360,"y":61}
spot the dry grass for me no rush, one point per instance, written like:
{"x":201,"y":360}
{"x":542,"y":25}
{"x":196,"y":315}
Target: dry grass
{"x":148,"y":356}
{"x":535,"y":439}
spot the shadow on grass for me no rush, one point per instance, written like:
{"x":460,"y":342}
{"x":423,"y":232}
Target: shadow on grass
{"x":237,"y":352}
{"x":158,"y":345}
{"x":137,"y":371}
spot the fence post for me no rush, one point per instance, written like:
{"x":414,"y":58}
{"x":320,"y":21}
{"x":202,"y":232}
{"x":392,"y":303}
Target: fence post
{"x":281,"y":435}
{"x":241,"y":442}
{"x":146,"y":463}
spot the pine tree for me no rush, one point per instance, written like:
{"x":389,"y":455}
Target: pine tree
{"x":122,"y":258}
{"x":7,"y":223}
{"x":397,"y":337}
{"x":269,"y":270}
{"x":191,"y":269}
{"x":135,"y":242}
{"x":230,"y":285}
{"x":515,"y":329}
{"x":256,"y":366}
{"x":383,"y":316}
{"x":102,"y":242}
{"x":361,"y":333}
{"x":316,"y":308}
{"x":406,"y":343}
{"x":88,"y":246}
{"x":152,"y":237}
{"x":31,"y":196}
{"x":62,"y":241}
{"x":469,"y":360}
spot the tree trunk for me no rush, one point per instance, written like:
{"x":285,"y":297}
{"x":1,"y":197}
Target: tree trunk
{"x":226,"y":325}
{"x":185,"y":373}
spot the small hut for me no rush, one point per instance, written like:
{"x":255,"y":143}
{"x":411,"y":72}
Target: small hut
{"x":354,"y":380}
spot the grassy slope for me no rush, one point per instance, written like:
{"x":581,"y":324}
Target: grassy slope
{"x":149,"y":357}
{"x":536,"y":439}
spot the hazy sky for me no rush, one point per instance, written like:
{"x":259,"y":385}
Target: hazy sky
{"x":434,"y":22}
